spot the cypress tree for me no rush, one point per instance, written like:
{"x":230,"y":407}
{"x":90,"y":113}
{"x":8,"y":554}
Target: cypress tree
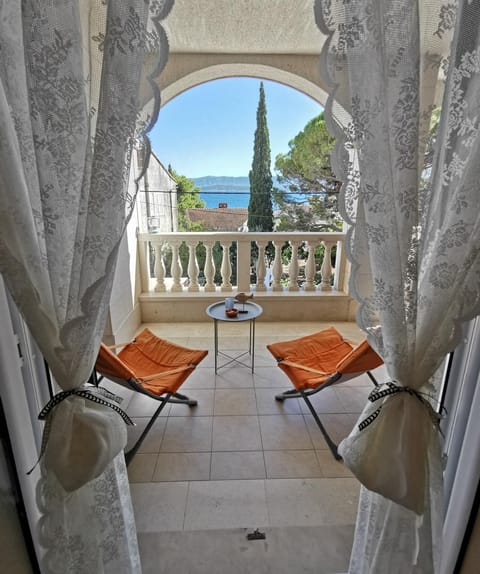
{"x":260,"y":211}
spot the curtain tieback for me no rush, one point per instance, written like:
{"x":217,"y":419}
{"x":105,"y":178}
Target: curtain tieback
{"x":85,"y":394}
{"x":393,"y":389}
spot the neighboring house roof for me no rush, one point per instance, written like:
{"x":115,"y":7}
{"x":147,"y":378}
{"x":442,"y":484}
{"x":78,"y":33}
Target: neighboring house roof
{"x":219,"y":218}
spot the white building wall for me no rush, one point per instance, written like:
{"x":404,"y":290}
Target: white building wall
{"x":155,"y":210}
{"x":157,"y":197}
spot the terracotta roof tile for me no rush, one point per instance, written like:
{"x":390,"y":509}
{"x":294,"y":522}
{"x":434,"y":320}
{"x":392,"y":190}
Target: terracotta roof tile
{"x":219,"y":219}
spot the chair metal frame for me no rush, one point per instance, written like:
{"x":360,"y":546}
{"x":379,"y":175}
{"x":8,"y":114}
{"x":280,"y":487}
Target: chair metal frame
{"x":133,"y":385}
{"x":331,"y":379}
{"x":305,"y":394}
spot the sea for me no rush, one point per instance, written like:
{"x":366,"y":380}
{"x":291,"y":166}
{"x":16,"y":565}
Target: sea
{"x":234,"y":191}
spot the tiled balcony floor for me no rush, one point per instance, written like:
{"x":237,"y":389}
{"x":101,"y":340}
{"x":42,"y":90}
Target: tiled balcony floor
{"x":241,"y":460}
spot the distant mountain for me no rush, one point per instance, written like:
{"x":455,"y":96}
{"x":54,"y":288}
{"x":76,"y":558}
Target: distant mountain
{"x":223,"y":183}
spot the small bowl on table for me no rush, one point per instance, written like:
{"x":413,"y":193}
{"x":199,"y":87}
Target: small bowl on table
{"x":231,"y":313}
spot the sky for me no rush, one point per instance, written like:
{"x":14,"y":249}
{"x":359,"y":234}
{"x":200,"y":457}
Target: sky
{"x":209,"y":129}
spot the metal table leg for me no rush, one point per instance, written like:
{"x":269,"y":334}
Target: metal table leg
{"x":251,"y":349}
{"x":215,"y":331}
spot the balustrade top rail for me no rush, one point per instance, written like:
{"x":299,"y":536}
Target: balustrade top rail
{"x":332,"y":236}
{"x":274,"y":269}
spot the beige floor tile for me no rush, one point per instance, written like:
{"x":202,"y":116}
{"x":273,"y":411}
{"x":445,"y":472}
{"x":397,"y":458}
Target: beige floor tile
{"x":236,"y":433}
{"x":151,"y":443}
{"x":205,"y":399}
{"x":360,"y":381}
{"x":312,"y":501}
{"x":332,"y":468}
{"x":292,"y":464}
{"x":234,"y":378}
{"x":176,"y":330}
{"x":284,"y":432}
{"x":235,"y":402}
{"x":144,"y":406}
{"x":226,"y":504}
{"x":159,"y":507}
{"x":353,"y":399}
{"x":202,"y":341}
{"x":188,"y":434}
{"x":263,"y":358}
{"x":349,"y":330}
{"x":237,"y":465}
{"x":286,"y":550}
{"x":234,"y":342}
{"x":142,"y":467}
{"x":209,"y":361}
{"x":181,"y":466}
{"x":267,"y":405}
{"x":261,"y":342}
{"x":231,"y":360}
{"x":337,"y":425}
{"x":201,"y":378}
{"x":268,"y":377}
{"x":325,"y":401}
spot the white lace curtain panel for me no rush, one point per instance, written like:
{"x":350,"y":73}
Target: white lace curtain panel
{"x":404,"y":107}
{"x":74,"y":76}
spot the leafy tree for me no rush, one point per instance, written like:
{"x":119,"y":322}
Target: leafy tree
{"x":260,"y":211}
{"x":305,"y":172}
{"x":188,"y":195}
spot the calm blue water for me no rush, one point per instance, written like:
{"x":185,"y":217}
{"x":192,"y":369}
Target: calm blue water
{"x":232,"y":200}
{"x":234,"y":191}
{"x":221,"y":189}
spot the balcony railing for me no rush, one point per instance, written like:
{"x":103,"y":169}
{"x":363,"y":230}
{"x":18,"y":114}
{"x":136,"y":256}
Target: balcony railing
{"x":222,"y":261}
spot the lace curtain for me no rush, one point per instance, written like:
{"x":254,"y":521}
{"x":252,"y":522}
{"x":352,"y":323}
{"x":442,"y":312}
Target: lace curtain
{"x":404,"y":107}
{"x":74,"y":78}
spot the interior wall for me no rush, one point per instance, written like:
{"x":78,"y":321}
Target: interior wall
{"x":472,"y":557}
{"x":13,"y":551}
{"x":124,"y":311}
{"x":22,"y":439}
{"x":462,"y":439}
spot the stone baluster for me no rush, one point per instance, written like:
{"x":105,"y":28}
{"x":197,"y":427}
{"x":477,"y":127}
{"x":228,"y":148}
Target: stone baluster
{"x":277,"y":267}
{"x":193,"y":269}
{"x":159,"y":269}
{"x":209,"y":269}
{"x":243,"y":263}
{"x":261,"y":269}
{"x":339,"y":267}
{"x":226,"y":269}
{"x":176,"y":267}
{"x":293,"y":267}
{"x":310,"y":267}
{"x":145,"y":266}
{"x":326,"y":269}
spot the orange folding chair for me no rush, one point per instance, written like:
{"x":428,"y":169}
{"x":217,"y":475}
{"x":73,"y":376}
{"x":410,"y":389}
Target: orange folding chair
{"x":317,"y":361}
{"x":151,"y":366}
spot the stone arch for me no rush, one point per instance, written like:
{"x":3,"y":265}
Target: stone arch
{"x":176,"y":79}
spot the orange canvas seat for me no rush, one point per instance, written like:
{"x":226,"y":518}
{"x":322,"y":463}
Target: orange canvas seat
{"x":151,"y":366}
{"x":318,"y":361}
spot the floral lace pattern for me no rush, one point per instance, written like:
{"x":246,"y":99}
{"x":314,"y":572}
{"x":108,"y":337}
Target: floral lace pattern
{"x":77,"y":84}
{"x":405,"y":81}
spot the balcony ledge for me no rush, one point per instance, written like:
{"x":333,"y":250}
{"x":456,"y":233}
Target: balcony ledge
{"x":277,"y":306}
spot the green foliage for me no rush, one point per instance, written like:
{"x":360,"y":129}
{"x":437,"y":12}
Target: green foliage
{"x":305,"y":170}
{"x":188,"y":195}
{"x":260,"y":210}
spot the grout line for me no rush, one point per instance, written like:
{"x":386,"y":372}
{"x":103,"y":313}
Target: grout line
{"x":211,"y":438}
{"x":269,"y":522}
{"x":263,"y":447}
{"x":186,"y":505}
